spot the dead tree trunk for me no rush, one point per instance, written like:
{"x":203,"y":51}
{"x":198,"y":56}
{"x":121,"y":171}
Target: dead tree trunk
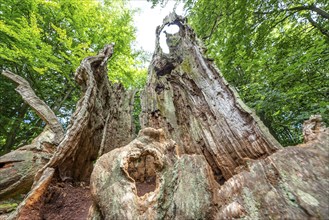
{"x":18,"y":168}
{"x":222,"y":164}
{"x":202,"y":154}
{"x":102,"y":122}
{"x":188,"y":98}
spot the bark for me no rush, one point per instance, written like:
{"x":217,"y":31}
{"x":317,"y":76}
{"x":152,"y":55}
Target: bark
{"x":80,"y":147}
{"x":291,"y":183}
{"x":202,"y":154}
{"x":188,"y":98}
{"x":17,"y":168}
{"x":89,"y":129}
{"x":155,"y":177}
{"x":147,"y":179}
{"x":119,"y":128}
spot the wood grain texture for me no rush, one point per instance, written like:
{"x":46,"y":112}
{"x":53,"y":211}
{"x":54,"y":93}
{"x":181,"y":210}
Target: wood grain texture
{"x":187,"y":97}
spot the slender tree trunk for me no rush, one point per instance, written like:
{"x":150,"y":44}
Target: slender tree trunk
{"x":11,"y":135}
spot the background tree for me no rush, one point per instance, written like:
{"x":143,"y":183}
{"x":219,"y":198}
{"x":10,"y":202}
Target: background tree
{"x":44,"y":41}
{"x":274,"y":52}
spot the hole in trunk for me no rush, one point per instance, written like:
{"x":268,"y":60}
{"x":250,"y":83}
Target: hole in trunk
{"x":166,"y":69}
{"x":9,"y":163}
{"x":168,"y":29}
{"x":143,"y":171}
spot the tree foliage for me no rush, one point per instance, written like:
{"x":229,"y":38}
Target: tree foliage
{"x":274,"y":52}
{"x":44,"y":41}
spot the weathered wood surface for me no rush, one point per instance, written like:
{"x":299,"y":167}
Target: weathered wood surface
{"x":101,"y":102}
{"x":101,"y":122}
{"x":188,"y":98}
{"x":31,"y":206}
{"x":149,"y":179}
{"x":119,"y":129}
{"x":17,"y":168}
{"x":202,"y":154}
{"x":292,"y":183}
{"x":221,"y":162}
{"x":39,"y":106}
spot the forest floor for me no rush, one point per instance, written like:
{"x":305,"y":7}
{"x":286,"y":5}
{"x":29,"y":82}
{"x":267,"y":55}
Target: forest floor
{"x":65,"y":201}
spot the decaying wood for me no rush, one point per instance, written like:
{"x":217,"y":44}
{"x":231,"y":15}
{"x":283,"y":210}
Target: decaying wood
{"x":188,"y":98}
{"x":17,"y":168}
{"x":119,"y":129}
{"x":82,"y":142}
{"x":202,"y":154}
{"x":39,"y":106}
{"x":147,"y":180}
{"x":225,"y":164}
{"x":30,"y":207}
{"x":73,"y":158}
{"x":292,"y":183}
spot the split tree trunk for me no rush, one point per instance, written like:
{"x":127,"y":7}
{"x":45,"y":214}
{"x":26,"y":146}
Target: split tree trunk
{"x":202,"y":154}
{"x":102,"y":121}
{"x":222,"y":164}
{"x":188,"y":98}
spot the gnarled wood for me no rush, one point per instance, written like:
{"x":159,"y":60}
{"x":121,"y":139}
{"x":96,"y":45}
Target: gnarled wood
{"x":225,"y":164}
{"x":218,"y":138}
{"x":80,"y":147}
{"x":147,"y":180}
{"x":17,"y":168}
{"x":292,"y":183}
{"x":188,"y":98}
{"x":39,"y":106}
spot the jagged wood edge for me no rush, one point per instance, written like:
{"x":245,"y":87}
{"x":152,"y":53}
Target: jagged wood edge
{"x":85,"y":77}
{"x":39,"y":106}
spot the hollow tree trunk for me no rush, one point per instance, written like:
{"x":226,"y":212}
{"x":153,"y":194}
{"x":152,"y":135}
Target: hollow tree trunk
{"x":188,"y":98}
{"x":102,"y":121}
{"x":204,"y":155}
